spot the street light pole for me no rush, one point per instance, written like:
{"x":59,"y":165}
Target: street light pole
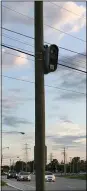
{"x":2,"y":154}
{"x":10,"y":164}
{"x":64,"y":161}
{"x":39,"y":98}
{"x":70,"y":164}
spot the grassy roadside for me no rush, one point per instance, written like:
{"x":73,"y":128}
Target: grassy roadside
{"x":80,"y":177}
{"x":3,"y":183}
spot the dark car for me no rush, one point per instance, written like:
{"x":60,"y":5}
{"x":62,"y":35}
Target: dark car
{"x":11,"y":174}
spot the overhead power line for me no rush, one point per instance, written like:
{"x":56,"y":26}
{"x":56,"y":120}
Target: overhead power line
{"x":50,"y":86}
{"x":31,"y":59}
{"x":65,"y":33}
{"x":12,"y":48}
{"x":18,"y":56}
{"x":18,"y":33}
{"x":7,"y":36}
{"x":71,"y":58}
{"x":45,"y":42}
{"x":46,"y":24}
{"x":68,"y":10}
{"x":71,"y":67}
{"x":15,"y":39}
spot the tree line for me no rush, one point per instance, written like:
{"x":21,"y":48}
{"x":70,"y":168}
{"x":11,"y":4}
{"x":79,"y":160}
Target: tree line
{"x":75,"y":166}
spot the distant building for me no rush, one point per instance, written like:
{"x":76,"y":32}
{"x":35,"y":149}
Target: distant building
{"x":45,"y":154}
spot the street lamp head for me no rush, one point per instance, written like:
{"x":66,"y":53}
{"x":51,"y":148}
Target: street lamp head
{"x":22,"y":133}
{"x":5,"y":148}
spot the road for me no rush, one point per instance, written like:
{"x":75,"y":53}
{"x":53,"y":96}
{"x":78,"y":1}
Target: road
{"x":60,"y":184}
{"x":8,"y":188}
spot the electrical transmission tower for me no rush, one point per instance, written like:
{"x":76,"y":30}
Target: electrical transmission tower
{"x":26,"y":153}
{"x":64,"y":154}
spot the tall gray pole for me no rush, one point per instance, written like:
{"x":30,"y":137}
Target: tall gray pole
{"x":77,"y":166}
{"x":26,"y":148}
{"x":64,"y":161}
{"x":13,"y":165}
{"x":1,"y":160}
{"x":10,"y":164}
{"x":73,"y":166}
{"x":39,"y":98}
{"x":70,"y":164}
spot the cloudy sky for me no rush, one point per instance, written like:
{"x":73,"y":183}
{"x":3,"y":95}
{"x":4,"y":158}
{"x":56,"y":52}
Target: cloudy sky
{"x":65,"y":89}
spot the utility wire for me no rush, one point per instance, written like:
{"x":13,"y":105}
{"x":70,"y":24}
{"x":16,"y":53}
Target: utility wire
{"x":17,"y":56}
{"x":71,"y":67}
{"x":45,"y":42}
{"x":31,"y":59}
{"x":22,"y":51}
{"x":18,"y":33}
{"x":45,"y":24}
{"x":7,"y":36}
{"x":55,"y":87}
{"x":71,"y":58}
{"x":12,"y":48}
{"x":67,"y":10}
{"x":65,"y":33}
{"x":73,"y":64}
{"x":33,"y":46}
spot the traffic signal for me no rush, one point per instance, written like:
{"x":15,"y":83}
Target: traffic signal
{"x":50,"y":58}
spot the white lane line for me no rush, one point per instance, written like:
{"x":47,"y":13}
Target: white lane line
{"x":71,"y":187}
{"x":14,"y":187}
{"x":20,"y":188}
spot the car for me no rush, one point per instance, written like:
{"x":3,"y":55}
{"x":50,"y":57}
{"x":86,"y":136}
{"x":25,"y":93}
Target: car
{"x":11,"y":174}
{"x":49,"y":177}
{"x":24,"y":176}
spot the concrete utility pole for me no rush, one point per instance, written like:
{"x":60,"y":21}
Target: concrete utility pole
{"x":64,"y":160}
{"x":39,"y":98}
{"x":51,"y":157}
{"x":70,"y":163}
{"x":73,"y":166}
{"x":10,"y":164}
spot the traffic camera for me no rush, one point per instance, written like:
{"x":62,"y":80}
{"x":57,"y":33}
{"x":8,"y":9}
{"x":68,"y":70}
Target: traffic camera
{"x":50,"y":58}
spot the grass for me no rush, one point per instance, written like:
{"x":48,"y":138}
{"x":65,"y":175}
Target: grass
{"x":3,"y":183}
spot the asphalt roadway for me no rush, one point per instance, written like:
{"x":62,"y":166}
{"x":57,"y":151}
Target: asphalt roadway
{"x":59,"y":184}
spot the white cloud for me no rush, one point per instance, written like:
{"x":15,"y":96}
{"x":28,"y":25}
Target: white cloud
{"x":81,"y":140}
{"x":3,"y":50}
{"x":64,"y":20}
{"x":11,"y":59}
{"x":21,"y":60}
{"x":62,"y":129}
{"x":53,"y":15}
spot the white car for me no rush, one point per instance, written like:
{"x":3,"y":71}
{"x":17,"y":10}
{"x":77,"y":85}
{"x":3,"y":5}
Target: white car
{"x":49,"y":177}
{"x":24,"y":176}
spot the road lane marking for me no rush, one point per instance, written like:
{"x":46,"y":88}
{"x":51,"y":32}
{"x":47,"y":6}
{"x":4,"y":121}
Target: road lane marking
{"x":20,"y":188}
{"x":71,"y":187}
{"x":14,"y":187}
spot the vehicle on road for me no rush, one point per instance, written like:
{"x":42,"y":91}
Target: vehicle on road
{"x":11,"y":174}
{"x":49,"y":177}
{"x":24,"y":176}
